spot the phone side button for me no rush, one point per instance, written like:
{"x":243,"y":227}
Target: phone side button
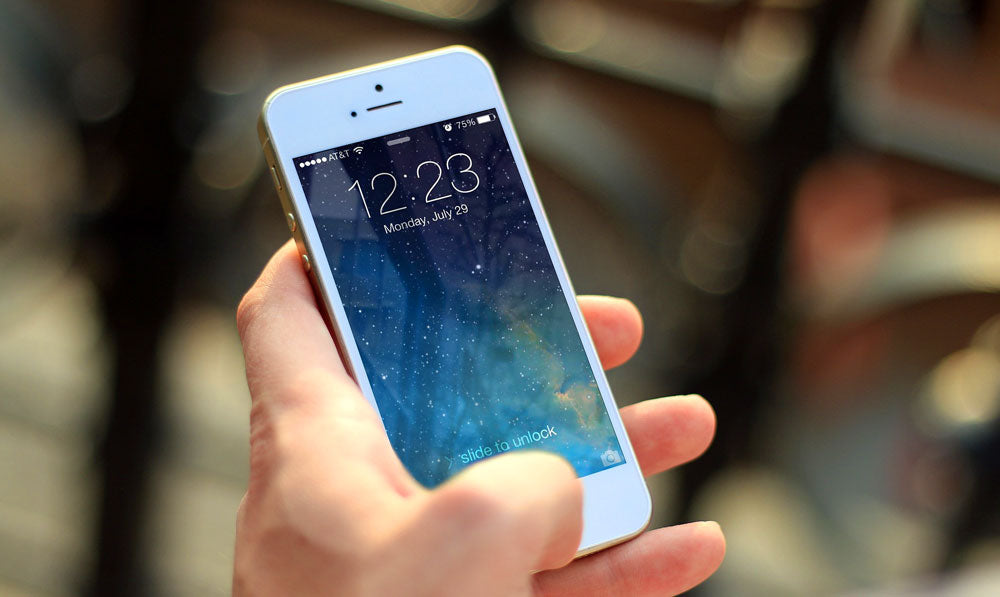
{"x":306,"y":264}
{"x":292,"y":224}
{"x":277,"y":179}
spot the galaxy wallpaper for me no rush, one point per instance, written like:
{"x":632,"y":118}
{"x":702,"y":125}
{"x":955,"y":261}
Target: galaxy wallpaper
{"x":453,"y":300}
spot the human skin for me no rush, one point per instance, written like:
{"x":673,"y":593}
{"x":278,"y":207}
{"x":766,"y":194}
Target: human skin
{"x":330,"y":510}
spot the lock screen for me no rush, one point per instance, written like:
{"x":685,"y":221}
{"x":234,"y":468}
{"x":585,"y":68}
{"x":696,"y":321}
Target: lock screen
{"x":453,"y":300}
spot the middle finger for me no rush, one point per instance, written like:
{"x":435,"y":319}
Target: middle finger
{"x":667,"y":432}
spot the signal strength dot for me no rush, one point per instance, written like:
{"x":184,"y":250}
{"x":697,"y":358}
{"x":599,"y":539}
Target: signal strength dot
{"x":302,"y":164}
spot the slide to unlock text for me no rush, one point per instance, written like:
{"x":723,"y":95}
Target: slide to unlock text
{"x":499,"y":447}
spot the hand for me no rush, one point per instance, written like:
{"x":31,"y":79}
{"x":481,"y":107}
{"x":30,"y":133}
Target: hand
{"x":329,"y":509}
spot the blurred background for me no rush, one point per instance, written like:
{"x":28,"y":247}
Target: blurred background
{"x":802,"y":196}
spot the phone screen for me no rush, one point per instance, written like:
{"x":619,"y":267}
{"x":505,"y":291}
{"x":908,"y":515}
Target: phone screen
{"x":453,"y":299}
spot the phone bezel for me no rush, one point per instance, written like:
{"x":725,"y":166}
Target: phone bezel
{"x":316,"y":115}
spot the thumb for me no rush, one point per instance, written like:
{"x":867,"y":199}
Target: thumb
{"x":530,"y":501}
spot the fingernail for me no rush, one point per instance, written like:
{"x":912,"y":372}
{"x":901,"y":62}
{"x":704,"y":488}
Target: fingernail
{"x":711,"y":524}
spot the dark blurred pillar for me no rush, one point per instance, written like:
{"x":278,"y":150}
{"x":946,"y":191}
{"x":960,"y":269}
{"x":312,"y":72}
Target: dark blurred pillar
{"x":804,"y":130}
{"x":138,"y":241}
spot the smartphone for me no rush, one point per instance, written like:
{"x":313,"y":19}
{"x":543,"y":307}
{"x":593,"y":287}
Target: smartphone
{"x":410,"y":200}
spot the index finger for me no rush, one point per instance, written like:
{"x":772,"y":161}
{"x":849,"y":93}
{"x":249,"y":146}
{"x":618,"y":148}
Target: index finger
{"x":615,"y":326}
{"x":305,"y":405}
{"x":285,"y":340}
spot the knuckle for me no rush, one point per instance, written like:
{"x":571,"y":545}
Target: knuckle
{"x":309,"y":511}
{"x":272,"y":437}
{"x":248,"y":311}
{"x":283,"y":418}
{"x":251,"y":306}
{"x":262,"y":444}
{"x":287,"y":553}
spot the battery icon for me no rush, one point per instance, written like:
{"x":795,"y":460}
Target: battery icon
{"x":485,"y":118}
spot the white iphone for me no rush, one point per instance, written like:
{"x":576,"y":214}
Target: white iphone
{"x":407,"y":192}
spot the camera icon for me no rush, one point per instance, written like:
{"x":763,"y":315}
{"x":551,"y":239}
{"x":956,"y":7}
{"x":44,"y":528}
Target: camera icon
{"x":610,"y":457}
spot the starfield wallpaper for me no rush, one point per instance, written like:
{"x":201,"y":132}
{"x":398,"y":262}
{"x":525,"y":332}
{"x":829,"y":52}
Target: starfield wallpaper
{"x":453,"y":299}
